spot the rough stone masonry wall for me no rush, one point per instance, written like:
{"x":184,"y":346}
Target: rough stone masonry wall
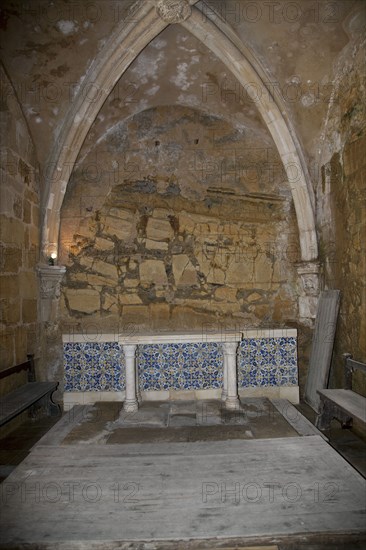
{"x":178,"y":242}
{"x":19,"y":237}
{"x":342,"y":207}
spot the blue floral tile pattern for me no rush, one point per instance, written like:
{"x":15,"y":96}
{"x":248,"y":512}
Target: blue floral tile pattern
{"x":180,"y":366}
{"x":100,"y":366}
{"x":267,"y":362}
{"x":94,"y":366}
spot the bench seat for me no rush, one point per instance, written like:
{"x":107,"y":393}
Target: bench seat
{"x":348,"y":401}
{"x":343,"y":404}
{"x":24,"y":397}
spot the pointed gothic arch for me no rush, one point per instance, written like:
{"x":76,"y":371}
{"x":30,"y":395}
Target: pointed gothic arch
{"x":124,"y":45}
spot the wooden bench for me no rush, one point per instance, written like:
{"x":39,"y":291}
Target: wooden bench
{"x":31,"y":394}
{"x":343,"y":404}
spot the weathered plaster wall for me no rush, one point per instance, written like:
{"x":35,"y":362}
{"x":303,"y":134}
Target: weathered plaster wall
{"x":296,"y":41}
{"x":175,"y":219}
{"x":342,"y":204}
{"x":19,"y":236}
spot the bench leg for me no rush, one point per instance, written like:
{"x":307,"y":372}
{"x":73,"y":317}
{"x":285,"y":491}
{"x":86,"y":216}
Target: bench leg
{"x":52,"y":408}
{"x":345,"y":420}
{"x":46,"y":405}
{"x":325,"y":417}
{"x":329,"y":411}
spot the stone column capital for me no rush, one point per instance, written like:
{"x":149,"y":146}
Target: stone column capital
{"x":173,"y":11}
{"x":129,"y":349}
{"x":50,"y":277}
{"x":230,"y":348}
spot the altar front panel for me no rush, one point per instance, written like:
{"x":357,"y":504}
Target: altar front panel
{"x":94,"y":365}
{"x":197,"y":366}
{"x":267,"y":362}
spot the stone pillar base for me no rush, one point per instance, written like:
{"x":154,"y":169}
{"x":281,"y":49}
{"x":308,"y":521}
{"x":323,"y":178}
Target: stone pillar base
{"x":232,"y":403}
{"x":131,"y":406}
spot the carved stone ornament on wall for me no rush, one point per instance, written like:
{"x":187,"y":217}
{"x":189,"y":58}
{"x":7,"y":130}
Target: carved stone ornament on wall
{"x":50,"y":279}
{"x":309,"y":292}
{"x":309,"y":274}
{"x":173,"y":11}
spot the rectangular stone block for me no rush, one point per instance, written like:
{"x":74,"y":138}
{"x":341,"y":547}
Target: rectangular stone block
{"x":9,"y":311}
{"x":34,"y":236}
{"x":138,"y":315}
{"x":105,"y":268}
{"x":156,"y":245}
{"x":83,"y":300}
{"x":184,"y":272}
{"x":35,"y":215}
{"x":123,"y":229}
{"x":31,"y":257}
{"x":159,"y":230}
{"x":129,"y":299}
{"x":354,"y":157}
{"x":11,"y":231}
{"x":31,"y":195}
{"x":153,"y":272}
{"x":131,"y":283}
{"x":103,"y":244}
{"x":10,"y":258}
{"x":27,"y":211}
{"x":159,"y":313}
{"x":6,"y":200}
{"x":20,"y":344}
{"x":110,"y":303}
{"x":28,"y":284}
{"x":29,"y":311}
{"x":7,"y":357}
{"x":109,"y":271}
{"x":9,"y":286}
{"x":99,"y":280}
{"x":227,"y":294}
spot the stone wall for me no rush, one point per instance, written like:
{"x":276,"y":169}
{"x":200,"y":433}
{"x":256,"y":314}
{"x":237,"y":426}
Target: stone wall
{"x":342,"y":206}
{"x":19,"y":236}
{"x":193,"y":228}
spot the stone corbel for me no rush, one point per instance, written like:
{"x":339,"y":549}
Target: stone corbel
{"x":173,"y":11}
{"x":309,"y":290}
{"x":50,"y":277}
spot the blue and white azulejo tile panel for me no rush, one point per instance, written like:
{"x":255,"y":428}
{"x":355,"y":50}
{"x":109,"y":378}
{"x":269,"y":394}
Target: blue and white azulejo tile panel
{"x":94,"y":366}
{"x":185,"y":366}
{"x":265,"y":362}
{"x":100,"y":366}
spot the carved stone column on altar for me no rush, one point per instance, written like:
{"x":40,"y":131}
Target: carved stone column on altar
{"x":50,"y":277}
{"x":309,"y":291}
{"x":230,"y":359}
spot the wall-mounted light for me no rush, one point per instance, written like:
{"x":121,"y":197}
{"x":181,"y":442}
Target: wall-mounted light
{"x":52,"y":258}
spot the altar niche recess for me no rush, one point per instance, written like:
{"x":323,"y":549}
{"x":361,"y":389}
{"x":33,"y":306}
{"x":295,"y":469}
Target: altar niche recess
{"x":112,"y":62}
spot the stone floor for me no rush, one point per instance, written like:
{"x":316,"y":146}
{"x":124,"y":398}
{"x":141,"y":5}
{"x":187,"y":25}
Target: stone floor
{"x":177,"y":421}
{"x":158,"y":424}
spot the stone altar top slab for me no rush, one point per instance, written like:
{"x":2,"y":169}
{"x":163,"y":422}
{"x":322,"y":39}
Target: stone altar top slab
{"x":223,"y":336}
